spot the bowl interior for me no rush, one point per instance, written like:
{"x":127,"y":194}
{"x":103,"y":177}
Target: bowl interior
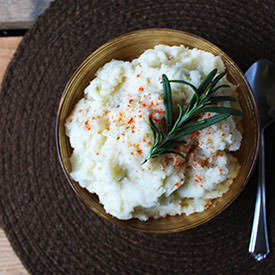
{"x":128,"y":47}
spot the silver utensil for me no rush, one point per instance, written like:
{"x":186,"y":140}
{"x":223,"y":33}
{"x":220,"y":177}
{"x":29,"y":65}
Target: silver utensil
{"x":261,"y":77}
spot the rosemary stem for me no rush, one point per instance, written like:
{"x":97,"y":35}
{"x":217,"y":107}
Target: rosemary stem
{"x":187,"y":122}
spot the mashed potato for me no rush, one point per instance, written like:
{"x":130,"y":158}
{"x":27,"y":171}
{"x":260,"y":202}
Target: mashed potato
{"x":110,"y":136}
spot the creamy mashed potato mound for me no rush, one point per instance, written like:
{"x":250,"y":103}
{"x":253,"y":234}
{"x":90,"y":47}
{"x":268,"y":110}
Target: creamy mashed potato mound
{"x":110,"y":136}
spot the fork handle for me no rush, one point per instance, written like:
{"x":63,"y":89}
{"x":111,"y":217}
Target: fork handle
{"x":258,"y":246}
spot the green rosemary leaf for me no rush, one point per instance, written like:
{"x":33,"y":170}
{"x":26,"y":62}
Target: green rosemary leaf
{"x":156,"y":141}
{"x":175,"y":144}
{"x":217,"y":99}
{"x":206,"y":82}
{"x":222,"y":110}
{"x":219,"y":87}
{"x":217,"y":79}
{"x":178,"y":119}
{"x":192,"y":102}
{"x":153,"y":125}
{"x":199,"y":125}
{"x":167,"y":103}
{"x":190,"y":124}
{"x":155,"y":130}
{"x":185,"y":82}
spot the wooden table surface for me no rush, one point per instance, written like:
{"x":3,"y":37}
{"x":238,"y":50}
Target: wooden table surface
{"x":9,"y":262}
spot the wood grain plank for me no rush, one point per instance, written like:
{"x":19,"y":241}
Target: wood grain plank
{"x":9,"y":262}
{"x":21,"y":14}
{"x":8,"y":46}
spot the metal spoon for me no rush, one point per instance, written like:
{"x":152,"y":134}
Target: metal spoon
{"x":261,"y":77}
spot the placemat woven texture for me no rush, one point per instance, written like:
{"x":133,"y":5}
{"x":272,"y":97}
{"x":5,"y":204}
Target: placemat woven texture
{"x":51,"y":230}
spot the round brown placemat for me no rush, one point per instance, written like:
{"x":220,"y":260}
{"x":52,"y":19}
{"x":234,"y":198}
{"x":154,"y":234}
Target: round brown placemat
{"x":51,"y":230}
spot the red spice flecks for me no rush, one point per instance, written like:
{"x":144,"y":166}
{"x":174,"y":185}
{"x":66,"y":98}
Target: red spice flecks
{"x":150,"y":143}
{"x":177,"y":184}
{"x":196,"y":180}
{"x":86,"y":122}
{"x":132,"y":153}
{"x":123,"y":134}
{"x":223,"y":134}
{"x":93,"y":118}
{"x":156,"y":119}
{"x":209,"y":115}
{"x":131,"y":101}
{"x":220,"y":170}
{"x":80,"y":110}
{"x":70,"y":120}
{"x":138,"y":75}
{"x":133,"y":131}
{"x":140,"y":116}
{"x":144,"y":105}
{"x":159,"y":111}
{"x":141,"y":89}
{"x":196,"y":134}
{"x":201,"y":185}
{"x":139,"y":151}
{"x":118,"y":138}
{"x":221,"y":154}
{"x":199,"y":177}
{"x":131,"y":121}
{"x":89,"y":128}
{"x":182,"y":179}
{"x":97,"y":153}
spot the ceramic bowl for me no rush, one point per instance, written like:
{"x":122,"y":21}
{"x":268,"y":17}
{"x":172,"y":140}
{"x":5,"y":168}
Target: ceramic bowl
{"x":128,"y":47}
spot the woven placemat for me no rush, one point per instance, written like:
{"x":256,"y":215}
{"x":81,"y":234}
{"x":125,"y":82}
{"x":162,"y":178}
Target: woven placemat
{"x":51,"y":230}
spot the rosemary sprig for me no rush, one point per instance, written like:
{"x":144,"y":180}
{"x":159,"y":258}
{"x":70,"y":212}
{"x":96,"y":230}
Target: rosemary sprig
{"x":187,"y":121}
